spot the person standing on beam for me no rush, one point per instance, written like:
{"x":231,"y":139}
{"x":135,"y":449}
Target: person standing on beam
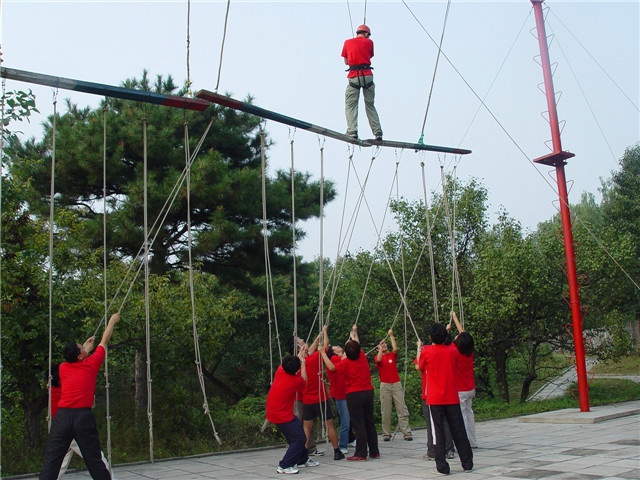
{"x":357,"y":53}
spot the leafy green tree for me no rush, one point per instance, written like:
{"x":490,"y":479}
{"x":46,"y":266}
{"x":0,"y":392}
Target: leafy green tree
{"x":226,"y":213}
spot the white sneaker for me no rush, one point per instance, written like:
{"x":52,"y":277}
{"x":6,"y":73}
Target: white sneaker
{"x":310,"y":463}
{"x":288,"y":470}
{"x":344,"y":450}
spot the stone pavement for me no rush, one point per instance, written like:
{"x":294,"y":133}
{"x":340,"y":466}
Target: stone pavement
{"x":601,"y":444}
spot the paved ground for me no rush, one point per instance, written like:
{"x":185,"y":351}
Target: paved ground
{"x":601,"y":444}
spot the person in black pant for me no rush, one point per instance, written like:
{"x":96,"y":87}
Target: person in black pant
{"x":74,"y":419}
{"x":439,"y":361}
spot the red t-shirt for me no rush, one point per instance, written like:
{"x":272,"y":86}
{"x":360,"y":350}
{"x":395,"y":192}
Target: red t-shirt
{"x":55,"y":399}
{"x":337,"y":387}
{"x":464,"y":371}
{"x":357,"y":376}
{"x":358,"y":51}
{"x":315,"y":391}
{"x":281,"y":396}
{"x":424,"y":380}
{"x":440,"y":362}
{"x":388,"y":368}
{"x":78,"y":380}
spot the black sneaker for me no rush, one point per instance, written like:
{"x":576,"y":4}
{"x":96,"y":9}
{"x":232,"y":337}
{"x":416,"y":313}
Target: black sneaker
{"x":338,"y":455}
{"x":379,"y":136}
{"x":353,"y":134}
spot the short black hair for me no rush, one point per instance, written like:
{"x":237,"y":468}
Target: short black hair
{"x":70,"y":352}
{"x":438,"y":333}
{"x":291,"y":344}
{"x":330,"y":352}
{"x":291,"y":364}
{"x":352,"y":349}
{"x":465,"y":343}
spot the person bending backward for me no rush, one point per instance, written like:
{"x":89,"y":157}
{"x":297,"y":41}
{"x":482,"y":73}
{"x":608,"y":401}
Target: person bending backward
{"x":442,"y":398}
{"x":74,"y":419}
{"x":279,"y":411}
{"x":315,"y":397}
{"x":391,"y":391}
{"x":337,"y":390}
{"x":466,"y":383}
{"x":359,"y":392}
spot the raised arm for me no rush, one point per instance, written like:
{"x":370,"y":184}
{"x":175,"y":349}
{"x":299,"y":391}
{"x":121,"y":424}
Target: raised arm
{"x":458,"y":324}
{"x":325,"y":330}
{"x":378,"y":358}
{"x":106,"y":336}
{"x":314,"y":346}
{"x":303,"y":367}
{"x":394,"y":345}
{"x":325,"y":359}
{"x":354,"y":333}
{"x":418,"y":352}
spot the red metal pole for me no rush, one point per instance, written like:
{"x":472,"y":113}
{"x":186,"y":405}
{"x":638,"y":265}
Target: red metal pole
{"x":559,"y":162}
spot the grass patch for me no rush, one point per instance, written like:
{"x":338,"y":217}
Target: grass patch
{"x":602,"y":391}
{"x":629,"y":365}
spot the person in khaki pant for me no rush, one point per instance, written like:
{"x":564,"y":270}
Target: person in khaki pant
{"x":391,"y":390}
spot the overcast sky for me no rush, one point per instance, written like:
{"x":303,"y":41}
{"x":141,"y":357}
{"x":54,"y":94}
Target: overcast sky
{"x":287,"y":56}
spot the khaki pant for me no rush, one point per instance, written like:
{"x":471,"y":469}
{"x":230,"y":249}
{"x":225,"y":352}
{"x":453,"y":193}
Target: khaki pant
{"x":393,"y":392}
{"x":352,"y":97}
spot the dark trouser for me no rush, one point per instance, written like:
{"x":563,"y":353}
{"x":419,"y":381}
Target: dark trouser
{"x":448,"y":439}
{"x":361,"y":415}
{"x":453,"y":416}
{"x":70,"y":424}
{"x":297,"y":453}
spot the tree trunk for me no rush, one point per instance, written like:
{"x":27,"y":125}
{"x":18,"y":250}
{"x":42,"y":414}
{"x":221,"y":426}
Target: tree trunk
{"x":140,"y":378}
{"x":531,"y":374}
{"x":32,"y":410}
{"x":501,"y":375}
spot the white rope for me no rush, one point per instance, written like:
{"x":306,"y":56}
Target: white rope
{"x":224,"y":36}
{"x":104,"y":277}
{"x":4,"y":85}
{"x":454,"y":260}
{"x":293,"y":235}
{"x":147,"y":322}
{"x":430,"y":245}
{"x":196,"y":341}
{"x":51,"y":227}
{"x":157,"y":225}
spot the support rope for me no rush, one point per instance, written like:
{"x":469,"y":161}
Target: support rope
{"x":147,"y":322}
{"x":194,"y":323}
{"x":293,"y":243}
{"x":430,"y":246}
{"x":104,"y":278}
{"x":51,"y":228}
{"x":2,"y":119}
{"x":435,"y":69}
{"x":224,"y":36}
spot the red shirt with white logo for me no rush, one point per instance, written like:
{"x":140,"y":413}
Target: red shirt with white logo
{"x":388,"y":368}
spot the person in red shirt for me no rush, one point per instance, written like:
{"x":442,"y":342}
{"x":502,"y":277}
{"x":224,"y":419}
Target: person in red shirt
{"x":74,"y":419}
{"x":465,"y":380}
{"x":337,"y":390}
{"x":442,"y":397}
{"x":56,"y":392}
{"x":315,"y":398}
{"x":357,"y":53}
{"x":391,"y":391}
{"x":279,"y":411}
{"x":354,"y":367}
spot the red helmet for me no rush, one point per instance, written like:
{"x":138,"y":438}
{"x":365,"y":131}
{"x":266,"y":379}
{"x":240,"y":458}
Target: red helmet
{"x":363,"y":29}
